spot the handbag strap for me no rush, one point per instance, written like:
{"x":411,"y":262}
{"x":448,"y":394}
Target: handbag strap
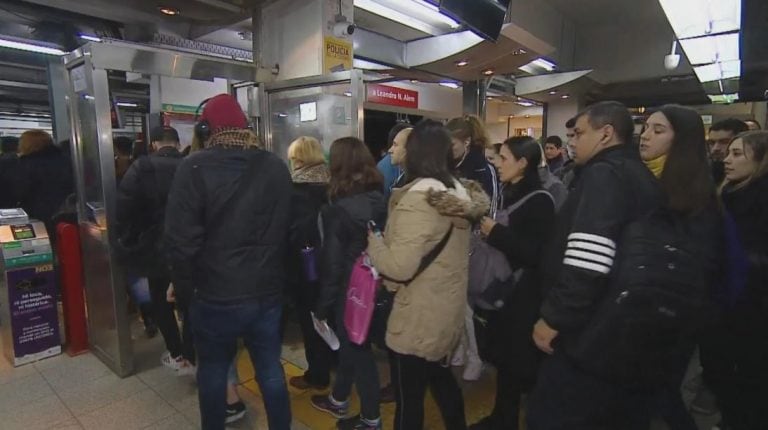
{"x":428,"y":259}
{"x":515,"y":206}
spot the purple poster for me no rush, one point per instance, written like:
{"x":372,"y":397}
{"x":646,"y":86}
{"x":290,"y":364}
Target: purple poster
{"x":34,"y":314}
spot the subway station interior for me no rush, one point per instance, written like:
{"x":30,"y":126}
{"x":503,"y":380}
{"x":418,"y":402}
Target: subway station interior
{"x":92,"y":73}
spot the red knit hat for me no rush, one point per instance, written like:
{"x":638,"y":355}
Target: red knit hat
{"x":223,"y":112}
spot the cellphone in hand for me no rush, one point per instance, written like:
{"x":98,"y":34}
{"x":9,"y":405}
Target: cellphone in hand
{"x":373,"y":228}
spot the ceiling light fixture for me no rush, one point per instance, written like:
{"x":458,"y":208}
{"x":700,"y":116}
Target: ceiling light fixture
{"x":170,"y":11}
{"x":449,"y":84}
{"x":525,"y":103}
{"x":712,"y":49}
{"x":695,"y":18}
{"x":462,"y":63}
{"x":565,"y":96}
{"x":724,"y":98}
{"x":488,"y":72}
{"x":553,"y":92}
{"x":412,"y":13}
{"x":718,"y":71}
{"x":527,"y":116}
{"x":124,"y":104}
{"x":520,"y":51}
{"x":348,"y":93}
{"x":90,"y":38}
{"x":538,"y":65}
{"x":22,"y":46}
{"x":414,"y":81}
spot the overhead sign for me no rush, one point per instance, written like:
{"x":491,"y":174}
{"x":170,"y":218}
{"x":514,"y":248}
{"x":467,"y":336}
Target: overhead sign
{"x":393,"y":96}
{"x":338,"y":55}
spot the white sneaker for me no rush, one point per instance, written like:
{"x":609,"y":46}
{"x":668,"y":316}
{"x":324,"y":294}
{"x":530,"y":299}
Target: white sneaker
{"x":473,"y":370}
{"x":170,"y":362}
{"x":186,"y":369}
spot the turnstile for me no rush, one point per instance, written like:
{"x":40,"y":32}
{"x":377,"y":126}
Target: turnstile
{"x":29,"y":317}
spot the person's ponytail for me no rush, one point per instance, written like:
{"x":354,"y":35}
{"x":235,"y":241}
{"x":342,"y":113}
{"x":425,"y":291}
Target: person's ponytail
{"x":470,"y":127}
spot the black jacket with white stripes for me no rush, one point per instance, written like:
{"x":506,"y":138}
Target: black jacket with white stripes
{"x":612,"y":190}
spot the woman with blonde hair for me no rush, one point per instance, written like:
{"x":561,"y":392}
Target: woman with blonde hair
{"x":310,"y":177}
{"x":735,"y":351}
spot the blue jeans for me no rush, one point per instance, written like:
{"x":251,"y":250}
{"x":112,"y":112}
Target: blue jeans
{"x":216,"y":330}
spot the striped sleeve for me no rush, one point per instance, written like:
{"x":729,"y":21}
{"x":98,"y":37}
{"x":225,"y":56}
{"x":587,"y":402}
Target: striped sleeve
{"x":590,"y":252}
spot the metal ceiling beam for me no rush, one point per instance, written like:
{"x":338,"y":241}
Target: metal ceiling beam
{"x":28,"y":85}
{"x":113,"y":12}
{"x":385,"y":50}
{"x":223,"y":5}
{"x":539,"y":83}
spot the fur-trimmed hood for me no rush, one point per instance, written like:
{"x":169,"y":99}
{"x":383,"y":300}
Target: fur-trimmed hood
{"x":317,"y":174}
{"x":471,"y":205}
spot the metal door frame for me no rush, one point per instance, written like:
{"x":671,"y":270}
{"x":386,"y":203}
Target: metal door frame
{"x":96,"y":59}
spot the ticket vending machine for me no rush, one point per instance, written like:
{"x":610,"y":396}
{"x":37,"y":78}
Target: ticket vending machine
{"x":29,"y":317}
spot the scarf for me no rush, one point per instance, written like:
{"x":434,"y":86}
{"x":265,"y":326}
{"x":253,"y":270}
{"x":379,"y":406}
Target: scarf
{"x":656,"y":166}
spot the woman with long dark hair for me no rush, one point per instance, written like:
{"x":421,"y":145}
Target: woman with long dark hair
{"x":423,"y":258}
{"x":735,"y":354}
{"x":355,"y":192}
{"x":673,"y":146}
{"x":520,"y":230}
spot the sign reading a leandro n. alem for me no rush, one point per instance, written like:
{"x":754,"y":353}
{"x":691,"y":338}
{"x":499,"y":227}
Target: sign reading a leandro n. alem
{"x":393,"y":96}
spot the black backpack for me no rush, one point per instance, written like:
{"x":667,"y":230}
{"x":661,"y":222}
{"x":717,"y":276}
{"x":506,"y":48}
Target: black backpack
{"x":659,"y":299}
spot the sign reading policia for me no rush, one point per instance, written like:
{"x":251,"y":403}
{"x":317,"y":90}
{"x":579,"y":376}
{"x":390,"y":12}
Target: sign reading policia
{"x":337,"y":56}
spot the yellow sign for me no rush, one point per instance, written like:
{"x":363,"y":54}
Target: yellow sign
{"x":338,"y":55}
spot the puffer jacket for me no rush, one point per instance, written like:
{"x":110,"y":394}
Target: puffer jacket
{"x":427,"y":317}
{"x":344,"y":224}
{"x":229,"y":247}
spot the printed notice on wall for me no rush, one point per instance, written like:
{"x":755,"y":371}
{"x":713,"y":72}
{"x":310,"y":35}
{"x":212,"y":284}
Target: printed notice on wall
{"x":33,"y":309}
{"x":338,"y":55}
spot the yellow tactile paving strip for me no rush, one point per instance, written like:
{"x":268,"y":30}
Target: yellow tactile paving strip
{"x":478,"y":400}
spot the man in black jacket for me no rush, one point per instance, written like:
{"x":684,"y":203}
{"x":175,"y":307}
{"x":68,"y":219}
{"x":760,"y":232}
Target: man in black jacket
{"x":613,"y":189}
{"x":226,"y":228}
{"x":141,"y":199}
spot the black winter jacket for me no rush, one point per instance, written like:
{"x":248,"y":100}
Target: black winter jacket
{"x":227,"y":247}
{"x":43,"y":182}
{"x":475,"y":167}
{"x":345,"y":236}
{"x":737,"y":349}
{"x":612,"y":190}
{"x":143,"y":193}
{"x":522,"y":241}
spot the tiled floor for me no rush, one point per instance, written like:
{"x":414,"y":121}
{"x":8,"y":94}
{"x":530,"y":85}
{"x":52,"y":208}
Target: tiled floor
{"x":81,"y":393}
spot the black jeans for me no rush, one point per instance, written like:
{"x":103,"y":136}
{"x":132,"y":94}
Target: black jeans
{"x":413,"y":375}
{"x":319,"y":355}
{"x":357,"y":365}
{"x":567,"y":398}
{"x":165,"y":318}
{"x":509,"y":390}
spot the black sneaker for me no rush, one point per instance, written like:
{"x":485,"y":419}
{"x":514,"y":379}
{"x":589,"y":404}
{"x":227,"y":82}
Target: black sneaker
{"x":235,"y":412}
{"x":357,"y":423}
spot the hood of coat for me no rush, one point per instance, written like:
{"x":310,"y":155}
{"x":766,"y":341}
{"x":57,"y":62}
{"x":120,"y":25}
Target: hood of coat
{"x":317,"y":174}
{"x":466,"y":201}
{"x":364,"y":207}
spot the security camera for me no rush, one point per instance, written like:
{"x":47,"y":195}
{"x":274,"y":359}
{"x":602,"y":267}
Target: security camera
{"x":344,"y":29}
{"x":671,"y":61}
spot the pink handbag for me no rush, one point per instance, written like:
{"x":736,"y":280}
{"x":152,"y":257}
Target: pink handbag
{"x":361,"y":296}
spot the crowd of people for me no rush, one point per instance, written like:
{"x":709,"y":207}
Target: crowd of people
{"x":597,"y":276}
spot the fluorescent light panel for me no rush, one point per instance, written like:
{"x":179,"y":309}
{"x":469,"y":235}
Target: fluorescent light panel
{"x":453,"y":85}
{"x":124,"y":104}
{"x":5,"y":43}
{"x":724,"y":98}
{"x":718,"y":71}
{"x":369,"y":65}
{"x":537,"y":66}
{"x":90,"y":38}
{"x":711,"y":49}
{"x":694,"y":18}
{"x":415,"y":14}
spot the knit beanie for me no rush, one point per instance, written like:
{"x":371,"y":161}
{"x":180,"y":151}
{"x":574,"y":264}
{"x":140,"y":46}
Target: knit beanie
{"x":223,"y":112}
